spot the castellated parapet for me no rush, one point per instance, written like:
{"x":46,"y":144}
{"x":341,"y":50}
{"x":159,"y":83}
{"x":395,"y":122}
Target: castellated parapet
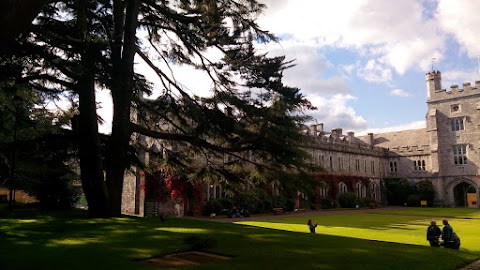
{"x":437,"y":93}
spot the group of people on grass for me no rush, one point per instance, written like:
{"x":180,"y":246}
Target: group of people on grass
{"x":449,"y":237}
{"x":434,"y":233}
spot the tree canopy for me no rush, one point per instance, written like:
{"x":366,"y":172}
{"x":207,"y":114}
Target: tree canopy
{"x":77,"y":46}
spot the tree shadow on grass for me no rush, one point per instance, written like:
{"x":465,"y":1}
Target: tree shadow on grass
{"x":62,"y":243}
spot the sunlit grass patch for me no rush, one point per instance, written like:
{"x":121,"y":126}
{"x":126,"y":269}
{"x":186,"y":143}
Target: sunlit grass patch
{"x":347,"y":241}
{"x":71,"y":242}
{"x":183,"y":230}
{"x":409,"y":228}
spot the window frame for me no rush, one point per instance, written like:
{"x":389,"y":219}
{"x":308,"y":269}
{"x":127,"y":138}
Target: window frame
{"x":460,"y":154}
{"x":457,"y":124}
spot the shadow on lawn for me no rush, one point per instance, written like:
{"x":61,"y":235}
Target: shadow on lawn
{"x":49,"y":242}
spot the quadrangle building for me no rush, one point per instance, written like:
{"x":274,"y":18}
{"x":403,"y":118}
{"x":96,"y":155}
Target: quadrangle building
{"x":446,"y":153}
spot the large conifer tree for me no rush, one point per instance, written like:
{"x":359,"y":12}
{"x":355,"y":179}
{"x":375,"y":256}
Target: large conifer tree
{"x":87,"y":44}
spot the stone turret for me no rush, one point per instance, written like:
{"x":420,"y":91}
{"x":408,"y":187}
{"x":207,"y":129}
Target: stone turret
{"x":434,"y":82}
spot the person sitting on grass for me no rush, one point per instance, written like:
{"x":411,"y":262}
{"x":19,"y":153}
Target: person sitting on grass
{"x":312,"y":226}
{"x":450,"y":238}
{"x":433,"y":234}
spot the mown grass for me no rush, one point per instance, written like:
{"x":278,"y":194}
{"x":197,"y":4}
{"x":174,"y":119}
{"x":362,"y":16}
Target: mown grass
{"x":348,"y":241}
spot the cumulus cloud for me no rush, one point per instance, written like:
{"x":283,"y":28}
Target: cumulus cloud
{"x":309,"y":72}
{"x":399,"y":93}
{"x":459,"y":18}
{"x":408,"y":126}
{"x":394,"y":32}
{"x":376,"y":72}
{"x":335,"y":112}
{"x":458,"y":77}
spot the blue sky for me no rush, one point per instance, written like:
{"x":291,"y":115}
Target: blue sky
{"x":363,"y":63}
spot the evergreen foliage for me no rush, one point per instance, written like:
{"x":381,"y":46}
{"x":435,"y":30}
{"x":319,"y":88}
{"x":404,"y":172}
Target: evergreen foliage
{"x":250,"y":117}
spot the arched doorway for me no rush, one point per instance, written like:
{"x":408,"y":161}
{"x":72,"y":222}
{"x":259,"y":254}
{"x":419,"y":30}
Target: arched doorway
{"x":464,"y":194}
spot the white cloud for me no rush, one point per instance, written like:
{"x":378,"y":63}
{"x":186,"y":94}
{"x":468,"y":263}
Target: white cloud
{"x":308,"y":73}
{"x":336,"y":113}
{"x":375,"y":72}
{"x":408,"y":126}
{"x":395,"y":33}
{"x":458,"y":77}
{"x":460,"y":18}
{"x":399,"y":93}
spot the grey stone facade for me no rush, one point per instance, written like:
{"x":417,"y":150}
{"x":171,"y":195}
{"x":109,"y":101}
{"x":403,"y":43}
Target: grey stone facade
{"x":446,"y":153}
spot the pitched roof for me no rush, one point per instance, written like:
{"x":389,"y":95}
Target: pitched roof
{"x":399,"y":139}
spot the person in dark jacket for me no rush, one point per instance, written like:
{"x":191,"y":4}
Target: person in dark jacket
{"x":450,"y":238}
{"x":312,"y":226}
{"x":433,"y":234}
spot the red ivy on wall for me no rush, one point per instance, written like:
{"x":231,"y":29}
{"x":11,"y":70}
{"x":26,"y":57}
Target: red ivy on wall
{"x":333,"y":181}
{"x":163,"y":185}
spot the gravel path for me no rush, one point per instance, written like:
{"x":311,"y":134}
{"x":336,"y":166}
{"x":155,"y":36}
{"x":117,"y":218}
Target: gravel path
{"x":298,"y":214}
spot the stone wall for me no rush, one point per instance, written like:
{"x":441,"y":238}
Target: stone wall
{"x":133,"y":197}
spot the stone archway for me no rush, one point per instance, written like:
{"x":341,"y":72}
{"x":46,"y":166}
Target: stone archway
{"x":462,"y":192}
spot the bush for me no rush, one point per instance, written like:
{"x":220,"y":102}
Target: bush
{"x":426,"y":191}
{"x":225,"y":203}
{"x":398,"y":190}
{"x":290,"y":205}
{"x":365,"y":202}
{"x":327,"y":204}
{"x":413,"y":200}
{"x":347,"y":200}
{"x":55,"y":194}
{"x":279,"y":201}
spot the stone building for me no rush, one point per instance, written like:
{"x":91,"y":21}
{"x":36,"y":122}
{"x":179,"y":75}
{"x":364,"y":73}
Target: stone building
{"x":354,"y":165}
{"x":446,"y":153}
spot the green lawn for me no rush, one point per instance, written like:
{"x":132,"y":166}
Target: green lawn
{"x":385,"y":240}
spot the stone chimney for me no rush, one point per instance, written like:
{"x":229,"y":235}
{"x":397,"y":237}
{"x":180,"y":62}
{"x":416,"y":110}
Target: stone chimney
{"x":313,"y":130}
{"x":370,"y":139}
{"x":335,"y":134}
{"x":320,"y":128}
{"x":351,"y":136}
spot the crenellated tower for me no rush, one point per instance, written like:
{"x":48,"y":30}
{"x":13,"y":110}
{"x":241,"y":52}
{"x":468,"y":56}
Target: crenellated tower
{"x":434,"y":82}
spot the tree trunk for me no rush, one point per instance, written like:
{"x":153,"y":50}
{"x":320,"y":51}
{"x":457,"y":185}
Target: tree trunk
{"x":89,"y":149}
{"x":122,"y":92}
{"x":91,"y":169}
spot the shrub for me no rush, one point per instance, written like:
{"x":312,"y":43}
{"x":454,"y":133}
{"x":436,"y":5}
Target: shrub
{"x":413,"y":200}
{"x":365,"y":202}
{"x":290,"y":205}
{"x":347,"y":200}
{"x":225,"y":203}
{"x":212,"y":206}
{"x":55,"y":194}
{"x":279,"y":201}
{"x":398,"y":190}
{"x":426,"y":191}
{"x":327,"y":204}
